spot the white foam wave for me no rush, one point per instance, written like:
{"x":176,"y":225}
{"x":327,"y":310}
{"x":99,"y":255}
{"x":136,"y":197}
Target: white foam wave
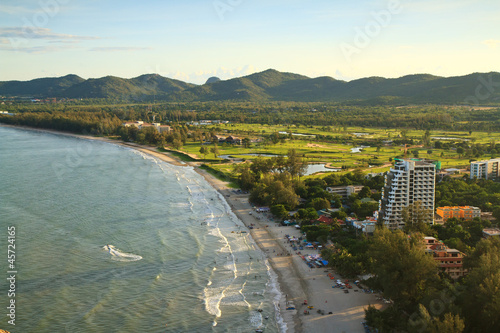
{"x":117,"y":255}
{"x":274,"y":287}
{"x":255,"y":319}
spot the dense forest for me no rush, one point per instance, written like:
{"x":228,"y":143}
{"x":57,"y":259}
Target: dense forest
{"x":332,"y":115}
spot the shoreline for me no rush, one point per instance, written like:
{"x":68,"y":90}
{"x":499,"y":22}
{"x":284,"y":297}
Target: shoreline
{"x":297,"y":282}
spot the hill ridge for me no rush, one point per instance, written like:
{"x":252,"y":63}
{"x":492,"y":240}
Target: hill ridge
{"x":268,"y":85}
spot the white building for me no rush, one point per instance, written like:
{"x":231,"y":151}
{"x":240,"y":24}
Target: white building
{"x":487,"y":169}
{"x":345,"y":191}
{"x":491,"y":232}
{"x":407,"y":182}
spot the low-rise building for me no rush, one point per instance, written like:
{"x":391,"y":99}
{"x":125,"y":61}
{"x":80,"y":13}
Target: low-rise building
{"x":325,"y":220}
{"x":450,"y":260}
{"x":367,"y":226}
{"x":491,"y":232}
{"x":140,"y":125}
{"x":487,"y":216}
{"x":344,"y":191}
{"x":164,"y":128}
{"x":438,"y":219}
{"x":459,"y":212}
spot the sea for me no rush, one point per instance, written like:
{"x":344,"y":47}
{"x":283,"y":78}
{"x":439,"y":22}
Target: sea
{"x":109,"y":239}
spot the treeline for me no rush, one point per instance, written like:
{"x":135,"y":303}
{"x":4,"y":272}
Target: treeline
{"x":276,"y":182}
{"x":481,"y":193}
{"x":95,"y":123}
{"x":425,"y":300}
{"x":295,"y":113}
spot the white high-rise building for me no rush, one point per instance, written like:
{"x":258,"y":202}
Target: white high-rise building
{"x":407,"y":182}
{"x":488,"y":169}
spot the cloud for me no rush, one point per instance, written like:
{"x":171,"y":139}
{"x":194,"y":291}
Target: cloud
{"x":118,"y":49}
{"x":491,"y":43}
{"x":14,"y":10}
{"x":36,"y":49}
{"x":39,"y":33}
{"x":432,"y":6}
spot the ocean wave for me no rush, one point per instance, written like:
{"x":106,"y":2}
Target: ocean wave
{"x":117,"y":255}
{"x":255,"y":319}
{"x":274,"y":288}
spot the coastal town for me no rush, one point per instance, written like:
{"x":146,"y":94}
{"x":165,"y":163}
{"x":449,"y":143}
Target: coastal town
{"x":318,"y":289}
{"x":322,"y":282}
{"x":250,"y":166}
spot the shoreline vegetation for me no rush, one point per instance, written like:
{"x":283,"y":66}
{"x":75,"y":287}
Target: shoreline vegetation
{"x":297,"y":282}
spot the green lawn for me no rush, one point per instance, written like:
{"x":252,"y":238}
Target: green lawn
{"x":336,"y":154}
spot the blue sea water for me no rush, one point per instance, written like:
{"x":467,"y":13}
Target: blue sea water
{"x":109,"y":239}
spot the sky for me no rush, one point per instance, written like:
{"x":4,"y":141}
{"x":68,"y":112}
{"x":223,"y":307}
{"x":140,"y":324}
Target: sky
{"x":192,"y":40}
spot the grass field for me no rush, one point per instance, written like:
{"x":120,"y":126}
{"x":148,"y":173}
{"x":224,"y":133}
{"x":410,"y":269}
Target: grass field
{"x":371,"y":159}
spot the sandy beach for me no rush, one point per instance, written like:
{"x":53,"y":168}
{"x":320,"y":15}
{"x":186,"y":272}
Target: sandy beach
{"x":297,"y":281}
{"x":343,"y":312}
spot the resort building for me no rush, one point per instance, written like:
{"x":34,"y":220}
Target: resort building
{"x":226,"y":139}
{"x":140,"y":125}
{"x":458,"y":212}
{"x":450,"y":260}
{"x":488,"y":169}
{"x":406,"y":183}
{"x":344,"y":191}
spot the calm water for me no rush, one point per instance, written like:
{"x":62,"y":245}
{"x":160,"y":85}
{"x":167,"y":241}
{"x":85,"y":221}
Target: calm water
{"x":111,"y":240}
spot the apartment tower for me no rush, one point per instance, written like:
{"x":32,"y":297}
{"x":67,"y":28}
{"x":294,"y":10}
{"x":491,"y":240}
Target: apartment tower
{"x":407,"y":182}
{"x":488,"y":169}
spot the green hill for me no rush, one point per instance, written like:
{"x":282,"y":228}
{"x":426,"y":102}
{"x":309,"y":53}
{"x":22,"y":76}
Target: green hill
{"x":271,"y":85}
{"x":141,"y":88}
{"x":45,"y":87}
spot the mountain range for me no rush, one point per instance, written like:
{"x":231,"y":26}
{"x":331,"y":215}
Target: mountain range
{"x":269,"y":85}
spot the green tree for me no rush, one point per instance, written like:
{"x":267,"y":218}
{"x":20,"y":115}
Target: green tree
{"x":481,"y":302}
{"x":417,"y":218}
{"x":204,"y":151}
{"x":246,"y":142}
{"x":296,"y":165}
{"x":320,"y":203}
{"x":284,"y":195}
{"x":261,"y":166}
{"x":365,"y":192}
{"x":246,"y":178}
{"x":215,"y":150}
{"x":447,"y":323}
{"x":496,"y":213}
{"x":401,"y":266}
{"x":279,"y":211}
{"x":177,"y":144}
{"x":306,"y":214}
{"x":337,"y":200}
{"x":316,"y":231}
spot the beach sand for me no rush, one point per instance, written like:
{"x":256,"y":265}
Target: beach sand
{"x":297,"y":281}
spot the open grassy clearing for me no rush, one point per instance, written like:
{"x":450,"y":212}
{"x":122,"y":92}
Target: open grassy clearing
{"x":334,"y":154}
